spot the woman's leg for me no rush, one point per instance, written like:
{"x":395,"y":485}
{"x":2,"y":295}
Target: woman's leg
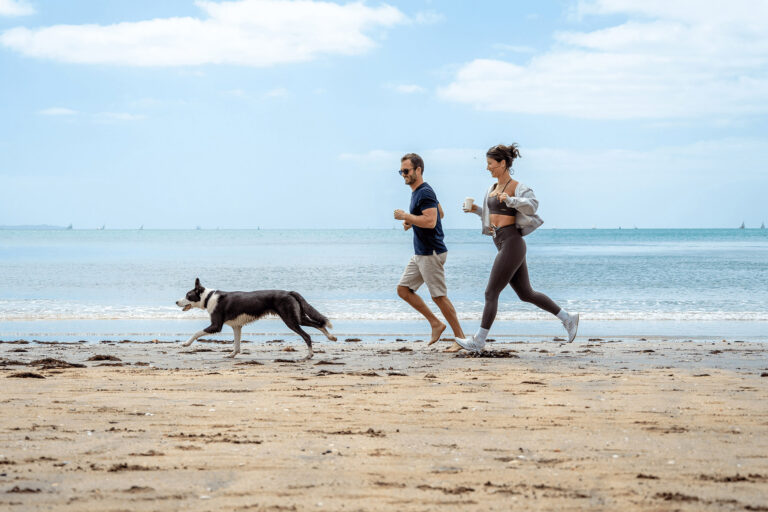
{"x":522,"y":286}
{"x":509,"y":258}
{"x":507,"y":261}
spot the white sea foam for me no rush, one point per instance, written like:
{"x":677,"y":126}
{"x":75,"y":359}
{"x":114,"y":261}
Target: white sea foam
{"x":384,"y":310}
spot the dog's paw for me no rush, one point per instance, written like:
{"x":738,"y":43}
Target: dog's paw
{"x":231,"y":355}
{"x":333,"y":338}
{"x":187,"y":343}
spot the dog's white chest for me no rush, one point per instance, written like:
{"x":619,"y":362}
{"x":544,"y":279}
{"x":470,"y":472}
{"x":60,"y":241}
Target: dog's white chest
{"x":241,"y":320}
{"x":213,"y":300}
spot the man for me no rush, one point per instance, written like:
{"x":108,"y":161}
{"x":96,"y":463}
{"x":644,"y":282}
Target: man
{"x":428,"y":264}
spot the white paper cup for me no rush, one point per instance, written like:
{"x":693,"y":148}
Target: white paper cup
{"x":468,"y":202}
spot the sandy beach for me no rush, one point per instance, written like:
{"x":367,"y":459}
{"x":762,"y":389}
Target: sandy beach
{"x":605,"y":424}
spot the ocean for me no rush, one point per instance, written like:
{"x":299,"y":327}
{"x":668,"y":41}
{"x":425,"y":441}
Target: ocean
{"x":90,"y":285}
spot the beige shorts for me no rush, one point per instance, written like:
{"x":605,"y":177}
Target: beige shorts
{"x":430,"y":269}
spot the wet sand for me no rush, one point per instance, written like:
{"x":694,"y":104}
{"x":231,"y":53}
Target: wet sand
{"x":609,"y":424}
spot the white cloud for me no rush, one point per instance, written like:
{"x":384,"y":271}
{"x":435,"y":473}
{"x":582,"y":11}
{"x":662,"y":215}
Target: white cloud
{"x":99,"y":117}
{"x":155,"y":103}
{"x":247,"y":32}
{"x":682,"y":59}
{"x":278,"y":92}
{"x":708,"y":158}
{"x":15,"y":8}
{"x":241,"y":94}
{"x":428,"y":18}
{"x":237,"y":93}
{"x":409,"y":88}
{"x":57,"y":111}
{"x":375,"y":157}
{"x":442,"y":157}
{"x":514,"y":48}
{"x":699,"y":11}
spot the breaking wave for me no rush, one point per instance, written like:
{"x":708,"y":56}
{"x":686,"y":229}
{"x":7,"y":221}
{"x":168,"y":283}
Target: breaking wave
{"x":368,"y":310}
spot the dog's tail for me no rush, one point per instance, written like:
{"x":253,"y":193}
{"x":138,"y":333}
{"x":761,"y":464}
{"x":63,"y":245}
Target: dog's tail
{"x":308,"y":311}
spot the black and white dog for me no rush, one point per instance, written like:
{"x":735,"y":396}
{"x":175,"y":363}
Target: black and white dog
{"x":237,"y":309}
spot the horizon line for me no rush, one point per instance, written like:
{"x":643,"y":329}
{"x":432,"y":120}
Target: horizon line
{"x":48,"y":227}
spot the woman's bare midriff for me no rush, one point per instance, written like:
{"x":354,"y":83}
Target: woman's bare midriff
{"x":501,"y":220}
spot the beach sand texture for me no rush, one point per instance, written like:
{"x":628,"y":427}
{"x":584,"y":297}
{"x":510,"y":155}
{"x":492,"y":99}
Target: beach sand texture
{"x":600,"y":425}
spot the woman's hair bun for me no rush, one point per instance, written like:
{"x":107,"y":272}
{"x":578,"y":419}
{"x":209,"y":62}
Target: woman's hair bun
{"x":501,"y":152}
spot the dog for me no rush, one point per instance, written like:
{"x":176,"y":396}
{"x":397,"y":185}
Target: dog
{"x":237,"y":309}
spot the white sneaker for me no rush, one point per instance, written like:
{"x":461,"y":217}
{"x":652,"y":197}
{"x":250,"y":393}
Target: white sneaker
{"x":467,"y":343}
{"x":572,"y":325}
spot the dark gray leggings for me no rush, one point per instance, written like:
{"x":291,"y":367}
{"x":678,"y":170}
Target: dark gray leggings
{"x":509,"y":268}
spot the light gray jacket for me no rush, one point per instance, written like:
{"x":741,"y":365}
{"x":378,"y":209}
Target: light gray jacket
{"x":523,"y":201}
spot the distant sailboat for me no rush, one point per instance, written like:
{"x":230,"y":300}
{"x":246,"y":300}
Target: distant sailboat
{"x":197,"y":228}
{"x":103,"y":226}
{"x":762,"y":226}
{"x":141,"y":228}
{"x":69,"y":228}
{"x":742,"y":226}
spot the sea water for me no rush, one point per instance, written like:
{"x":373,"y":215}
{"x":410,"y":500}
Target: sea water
{"x":122,"y":284}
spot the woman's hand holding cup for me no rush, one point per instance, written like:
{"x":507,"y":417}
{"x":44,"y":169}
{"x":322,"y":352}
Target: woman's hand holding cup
{"x":469,"y":205}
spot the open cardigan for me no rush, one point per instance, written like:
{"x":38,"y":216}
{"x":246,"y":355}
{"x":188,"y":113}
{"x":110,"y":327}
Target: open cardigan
{"x":523,"y":201}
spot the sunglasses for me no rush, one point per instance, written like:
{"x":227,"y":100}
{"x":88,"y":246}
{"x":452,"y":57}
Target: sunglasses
{"x":404,"y":172}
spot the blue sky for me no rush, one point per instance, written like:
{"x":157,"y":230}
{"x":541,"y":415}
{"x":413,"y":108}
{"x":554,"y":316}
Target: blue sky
{"x":294,"y":114}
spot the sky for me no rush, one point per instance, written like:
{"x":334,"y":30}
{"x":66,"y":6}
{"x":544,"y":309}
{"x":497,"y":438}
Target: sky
{"x":294,"y":114}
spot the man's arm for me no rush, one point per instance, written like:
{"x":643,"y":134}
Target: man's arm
{"x":440,"y":209}
{"x":427,"y":219}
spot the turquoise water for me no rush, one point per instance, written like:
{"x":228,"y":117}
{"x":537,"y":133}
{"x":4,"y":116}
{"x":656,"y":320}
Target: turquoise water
{"x":91,"y":284}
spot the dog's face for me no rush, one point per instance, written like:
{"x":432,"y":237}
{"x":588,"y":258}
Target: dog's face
{"x":193,"y":299}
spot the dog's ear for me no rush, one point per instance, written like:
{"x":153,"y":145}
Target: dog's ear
{"x":197,"y":282}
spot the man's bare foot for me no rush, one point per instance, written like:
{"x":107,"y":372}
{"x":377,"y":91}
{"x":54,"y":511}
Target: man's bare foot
{"x":453,"y":348}
{"x":436,"y":332}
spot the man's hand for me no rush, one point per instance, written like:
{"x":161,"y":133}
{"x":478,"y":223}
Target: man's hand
{"x":400,"y":215}
{"x":406,"y":225}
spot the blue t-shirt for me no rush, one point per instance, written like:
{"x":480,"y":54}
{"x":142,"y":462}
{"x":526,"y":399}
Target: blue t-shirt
{"x":425,"y":240}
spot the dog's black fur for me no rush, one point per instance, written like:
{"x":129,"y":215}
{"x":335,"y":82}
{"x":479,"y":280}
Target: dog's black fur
{"x":237,"y":309}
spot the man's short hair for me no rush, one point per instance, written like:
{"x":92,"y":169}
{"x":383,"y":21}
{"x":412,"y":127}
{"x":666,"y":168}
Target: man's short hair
{"x":416,"y":161}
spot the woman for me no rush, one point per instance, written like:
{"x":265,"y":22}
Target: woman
{"x":509,"y":213}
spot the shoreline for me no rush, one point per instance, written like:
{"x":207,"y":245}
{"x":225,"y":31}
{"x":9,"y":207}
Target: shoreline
{"x":541,"y":330}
